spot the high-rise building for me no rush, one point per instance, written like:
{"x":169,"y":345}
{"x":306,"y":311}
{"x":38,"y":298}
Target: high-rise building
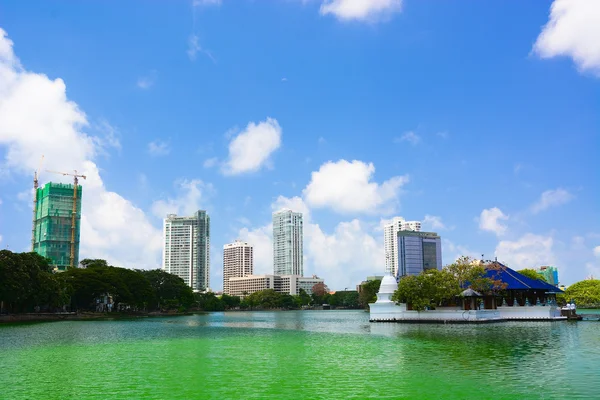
{"x":417,"y":252}
{"x":390,"y":242}
{"x":287,"y":284}
{"x":549,"y":273}
{"x":237,"y":262}
{"x":56,"y":224}
{"x":186,"y":249}
{"x":288,"y":243}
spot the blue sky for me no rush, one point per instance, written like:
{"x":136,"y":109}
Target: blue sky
{"x":479,"y":118}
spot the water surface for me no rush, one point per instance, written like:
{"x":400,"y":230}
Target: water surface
{"x":295,"y":355}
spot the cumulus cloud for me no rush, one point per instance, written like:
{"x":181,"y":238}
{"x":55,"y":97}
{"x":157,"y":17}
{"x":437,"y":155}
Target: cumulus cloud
{"x":573,"y":31}
{"x":190,"y":197}
{"x":210,"y":162}
{"x":490,"y":220}
{"x":36,"y":118}
{"x":529,"y":251}
{"x":159,"y":148}
{"x":347,"y":187}
{"x":551,"y":198}
{"x":361,"y":10}
{"x":252,"y":148}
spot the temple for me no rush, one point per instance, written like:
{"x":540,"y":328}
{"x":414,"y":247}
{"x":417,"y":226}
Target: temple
{"x":521,"y":298}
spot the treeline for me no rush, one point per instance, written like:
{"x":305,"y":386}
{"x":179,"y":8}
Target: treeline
{"x":28,"y":284}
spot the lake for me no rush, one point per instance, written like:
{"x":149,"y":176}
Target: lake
{"x":297,"y":355}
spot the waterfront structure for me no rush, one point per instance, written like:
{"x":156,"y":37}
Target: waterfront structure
{"x":390,"y":243}
{"x":549,"y":273}
{"x":56,"y":224}
{"x":288,"y":250}
{"x":186,"y":249}
{"x":287,"y":284}
{"x":237,"y":262}
{"x":417,"y":252}
{"x":522,"y":298}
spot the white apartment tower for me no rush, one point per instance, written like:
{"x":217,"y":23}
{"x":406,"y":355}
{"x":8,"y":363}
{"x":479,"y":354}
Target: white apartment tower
{"x":390,"y":241}
{"x":186,"y":248}
{"x":288,"y":248}
{"x":237,"y":262}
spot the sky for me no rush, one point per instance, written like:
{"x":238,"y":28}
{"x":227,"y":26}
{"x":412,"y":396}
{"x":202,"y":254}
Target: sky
{"x":481,"y":119}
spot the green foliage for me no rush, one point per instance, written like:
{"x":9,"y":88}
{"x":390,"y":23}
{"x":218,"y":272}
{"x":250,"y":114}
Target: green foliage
{"x":210,"y":302}
{"x":368,"y":292}
{"x":320,"y":293}
{"x":344,"y":299}
{"x":432,"y":287}
{"x":584,"y":293}
{"x":532,"y":273}
{"x":27,"y":283}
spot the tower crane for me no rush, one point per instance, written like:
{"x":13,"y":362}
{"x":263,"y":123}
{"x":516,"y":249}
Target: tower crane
{"x":35,"y":187}
{"x":74,"y":213}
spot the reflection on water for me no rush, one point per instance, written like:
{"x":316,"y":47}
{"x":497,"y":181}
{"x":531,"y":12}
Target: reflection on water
{"x":294,"y":355}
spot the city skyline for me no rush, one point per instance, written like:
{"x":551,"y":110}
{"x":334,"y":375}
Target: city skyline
{"x":350,"y":118}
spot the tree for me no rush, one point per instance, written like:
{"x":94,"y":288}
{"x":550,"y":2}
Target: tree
{"x":303,"y":298}
{"x":320,"y":293}
{"x":532,"y":273}
{"x":170,"y":291}
{"x":585,"y":293}
{"x":368,"y":292}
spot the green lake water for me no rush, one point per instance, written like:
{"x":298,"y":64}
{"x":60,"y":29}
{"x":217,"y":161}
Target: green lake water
{"x":298,"y":355}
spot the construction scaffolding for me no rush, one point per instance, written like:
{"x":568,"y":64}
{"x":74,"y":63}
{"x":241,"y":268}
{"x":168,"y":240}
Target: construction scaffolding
{"x":55,"y":215}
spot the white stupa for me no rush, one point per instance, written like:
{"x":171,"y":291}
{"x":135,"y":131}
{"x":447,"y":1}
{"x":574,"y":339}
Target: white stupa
{"x":386,"y":289}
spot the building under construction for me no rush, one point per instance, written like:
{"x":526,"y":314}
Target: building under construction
{"x":56,"y":223}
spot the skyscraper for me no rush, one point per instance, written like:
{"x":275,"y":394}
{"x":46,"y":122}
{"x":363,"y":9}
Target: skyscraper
{"x":237,"y":262}
{"x":186,"y":248}
{"x":390,"y":241}
{"x":417,"y":252}
{"x":56,"y":224}
{"x":288,"y":248}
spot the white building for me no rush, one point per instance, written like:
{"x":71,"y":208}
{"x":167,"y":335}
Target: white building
{"x":288,"y":284}
{"x":390,"y":241}
{"x":186,"y":244}
{"x":288,"y":248}
{"x":237,"y":262}
{"x":417,"y":252}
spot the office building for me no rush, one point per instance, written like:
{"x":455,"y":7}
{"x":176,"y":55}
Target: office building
{"x":237,"y":262}
{"x":390,"y":242}
{"x":417,"y":252}
{"x":186,"y":249}
{"x":288,"y":284}
{"x":56,"y":224}
{"x":288,"y":243}
{"x":549,"y":273}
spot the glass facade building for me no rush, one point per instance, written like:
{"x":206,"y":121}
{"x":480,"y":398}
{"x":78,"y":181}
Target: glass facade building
{"x":288,"y":250}
{"x":417,"y":252}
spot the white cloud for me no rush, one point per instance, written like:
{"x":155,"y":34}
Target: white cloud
{"x":347,"y":187}
{"x":489,"y":220}
{"x":573,"y":31}
{"x":159,"y":148}
{"x":191,"y":194}
{"x":597,"y":251}
{"x":37,"y":118}
{"x":361,"y":10}
{"x":410,"y":137}
{"x":251,"y":149}
{"x":551,"y":198}
{"x":194,"y":48}
{"x":210,"y":162}
{"x":147,"y":81}
{"x":434,"y":222}
{"x":529,"y":251}
{"x":262,"y":243}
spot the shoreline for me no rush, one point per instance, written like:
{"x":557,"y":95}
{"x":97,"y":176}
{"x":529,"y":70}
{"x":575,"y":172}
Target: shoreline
{"x":84,"y":316}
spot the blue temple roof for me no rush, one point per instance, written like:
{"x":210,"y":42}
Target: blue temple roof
{"x":517,"y":281}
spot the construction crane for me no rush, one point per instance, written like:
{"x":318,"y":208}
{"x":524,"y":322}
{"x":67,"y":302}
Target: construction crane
{"x":74,"y":213}
{"x":35,"y":187}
